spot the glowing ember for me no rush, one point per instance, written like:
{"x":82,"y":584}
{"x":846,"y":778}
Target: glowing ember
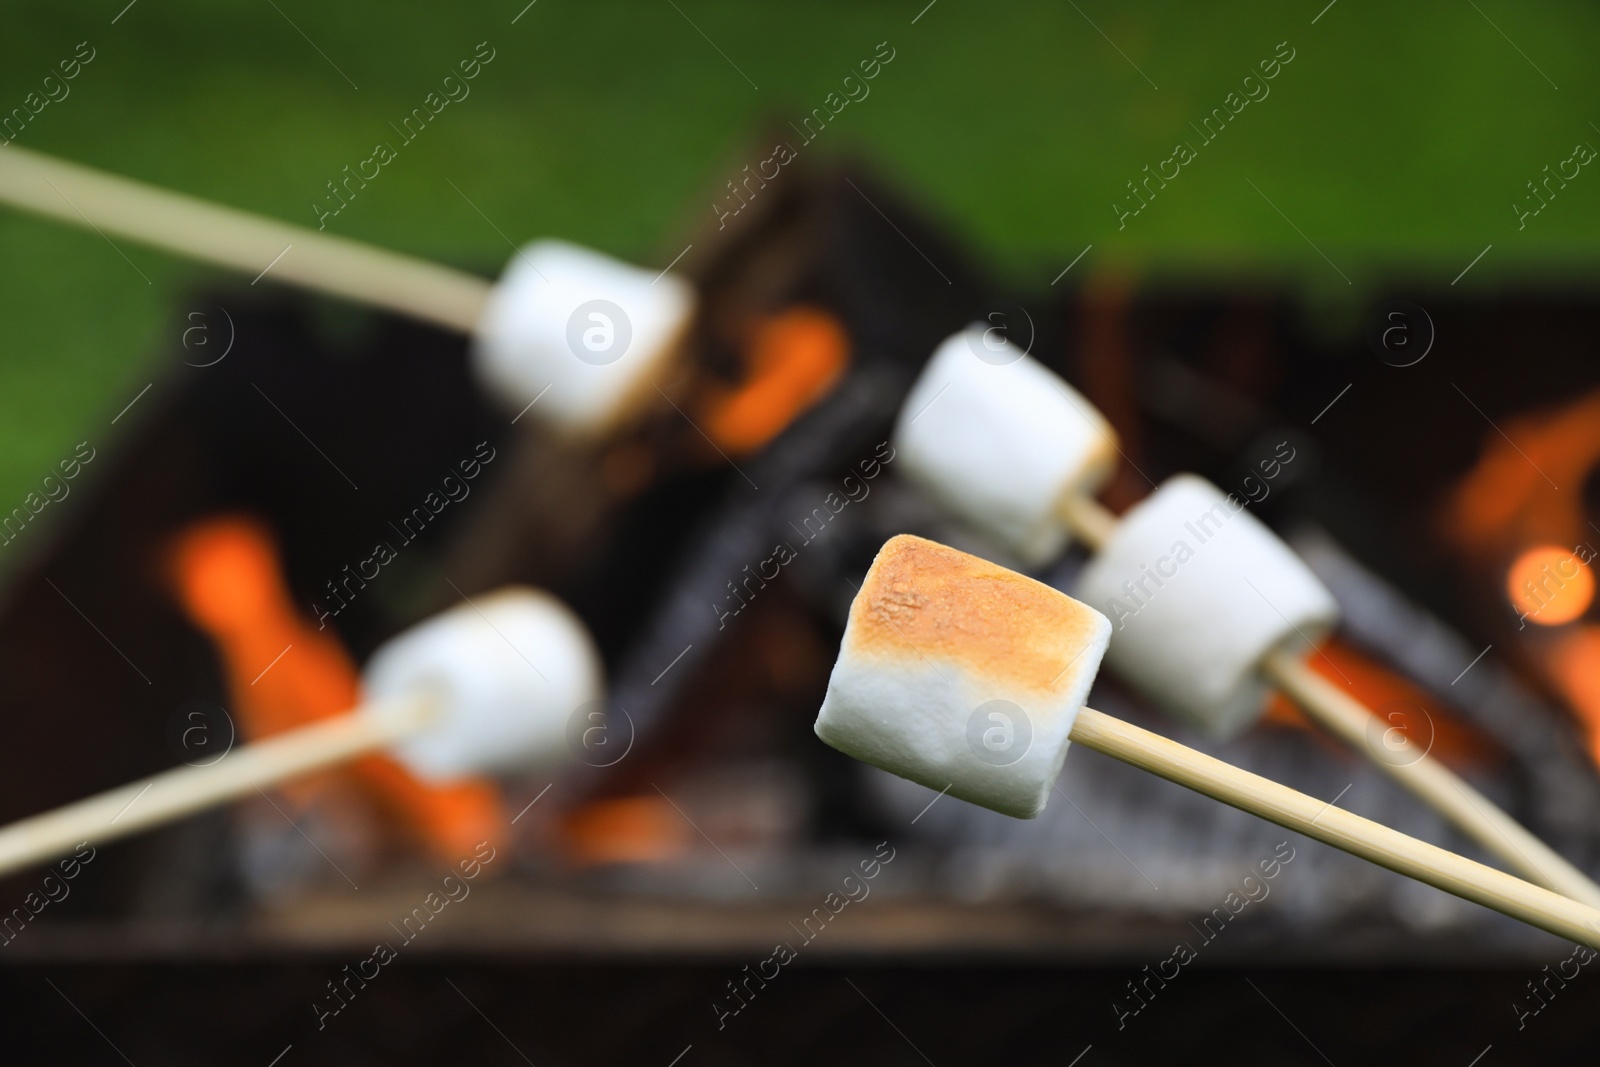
{"x":1573,"y":662}
{"x":1550,"y":585}
{"x":794,"y":358}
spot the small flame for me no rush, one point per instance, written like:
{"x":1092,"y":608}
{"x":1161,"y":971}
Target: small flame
{"x":1574,"y":662}
{"x":284,"y":673}
{"x":632,"y":829}
{"x":1396,"y":702}
{"x":793,"y":359}
{"x":1550,"y":585}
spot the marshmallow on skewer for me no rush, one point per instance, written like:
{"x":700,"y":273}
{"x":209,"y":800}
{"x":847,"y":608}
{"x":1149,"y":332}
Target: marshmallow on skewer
{"x":505,"y":673}
{"x":589,"y":328}
{"x":978,"y":629}
{"x":593,"y":331}
{"x":1002,"y":440}
{"x":1199,"y":593}
{"x":1206,"y":649}
{"x":961,"y":675}
{"x":489,"y":686}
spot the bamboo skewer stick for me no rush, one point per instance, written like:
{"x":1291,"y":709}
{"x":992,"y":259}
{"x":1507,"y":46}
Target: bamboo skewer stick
{"x":1090,"y":521}
{"x":109,"y":204}
{"x":185,"y":790}
{"x":1447,"y":793}
{"x":1425,"y":777}
{"x":1371,"y":841}
{"x":173,"y":794}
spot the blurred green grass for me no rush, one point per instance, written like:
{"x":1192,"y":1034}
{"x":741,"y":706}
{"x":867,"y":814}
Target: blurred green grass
{"x":1396,"y":141}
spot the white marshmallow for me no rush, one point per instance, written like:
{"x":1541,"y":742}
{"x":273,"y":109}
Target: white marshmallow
{"x":1198,"y":591}
{"x":590,"y":329}
{"x":1000,"y":440}
{"x":507,"y":671}
{"x":961,"y":675}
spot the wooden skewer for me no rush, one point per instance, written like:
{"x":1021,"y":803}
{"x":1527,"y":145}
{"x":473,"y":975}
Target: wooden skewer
{"x":185,"y":790}
{"x":139,"y":806}
{"x":1089,"y":520}
{"x":110,"y":204}
{"x":1431,"y":780}
{"x":1435,"y":784}
{"x":1372,"y":841}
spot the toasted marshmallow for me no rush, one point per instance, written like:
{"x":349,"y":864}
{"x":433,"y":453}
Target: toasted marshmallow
{"x":1198,"y":591}
{"x":961,"y":675}
{"x":999,"y":439}
{"x":505,"y":673}
{"x":580,"y":332}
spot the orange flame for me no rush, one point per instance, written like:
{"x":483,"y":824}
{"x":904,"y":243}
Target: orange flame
{"x":1396,"y":702}
{"x":794,"y":358}
{"x":1574,"y":664}
{"x":1550,"y":585}
{"x":1526,"y":490}
{"x":1510,"y":496}
{"x":636,"y":829}
{"x":284,"y":673}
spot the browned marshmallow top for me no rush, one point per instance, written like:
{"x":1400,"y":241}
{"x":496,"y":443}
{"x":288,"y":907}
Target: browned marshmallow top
{"x":923,"y":600}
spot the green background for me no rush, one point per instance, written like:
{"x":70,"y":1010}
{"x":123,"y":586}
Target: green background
{"x":1396,"y":140}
